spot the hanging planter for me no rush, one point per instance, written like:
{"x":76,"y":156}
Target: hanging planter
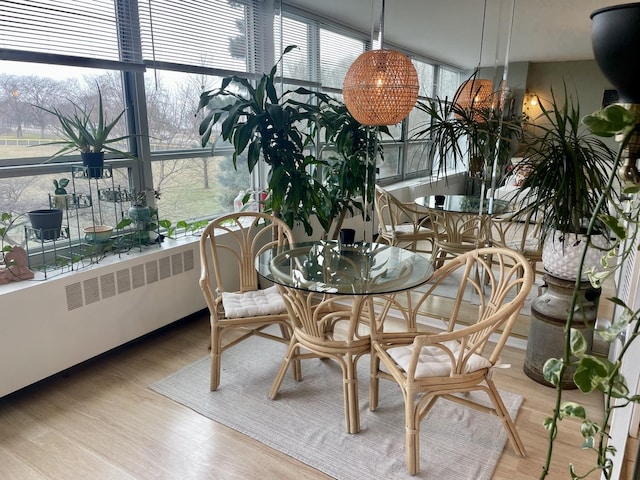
{"x":615,"y":38}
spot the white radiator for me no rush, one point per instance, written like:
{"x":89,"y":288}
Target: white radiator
{"x":49,"y":326}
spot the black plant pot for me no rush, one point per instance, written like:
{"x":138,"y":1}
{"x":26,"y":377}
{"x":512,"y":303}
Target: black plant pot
{"x":615,"y":36}
{"x":347,"y":236}
{"x":46,"y":223}
{"x":94,"y":163}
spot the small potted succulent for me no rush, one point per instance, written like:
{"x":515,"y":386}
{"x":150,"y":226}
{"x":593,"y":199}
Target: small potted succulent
{"x":61,"y":198}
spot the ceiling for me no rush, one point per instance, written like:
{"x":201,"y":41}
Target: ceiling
{"x":450,"y":31}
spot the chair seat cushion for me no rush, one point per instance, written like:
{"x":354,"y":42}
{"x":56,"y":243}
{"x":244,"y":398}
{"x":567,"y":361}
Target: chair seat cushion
{"x":407,"y":228}
{"x":434,"y":362}
{"x":253,"y":303}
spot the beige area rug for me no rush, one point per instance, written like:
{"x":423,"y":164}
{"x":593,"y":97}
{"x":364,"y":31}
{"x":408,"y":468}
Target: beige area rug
{"x":306,"y":421}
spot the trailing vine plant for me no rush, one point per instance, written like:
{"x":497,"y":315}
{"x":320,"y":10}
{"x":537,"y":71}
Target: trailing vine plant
{"x":593,"y":372}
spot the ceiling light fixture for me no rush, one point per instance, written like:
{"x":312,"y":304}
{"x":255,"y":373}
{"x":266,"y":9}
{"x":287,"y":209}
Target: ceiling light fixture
{"x":475,"y":94}
{"x":381,"y":86}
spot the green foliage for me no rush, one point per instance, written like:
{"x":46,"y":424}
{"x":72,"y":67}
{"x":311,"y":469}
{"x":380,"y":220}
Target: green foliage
{"x":450,"y":124}
{"x":60,"y":186}
{"x":612,"y":120}
{"x":80,"y":133}
{"x":552,"y":370}
{"x":183,"y":225}
{"x":594,"y":373}
{"x":573,"y":409}
{"x":569,"y":169}
{"x":349,"y":173}
{"x":259,"y":121}
{"x":6,"y":222}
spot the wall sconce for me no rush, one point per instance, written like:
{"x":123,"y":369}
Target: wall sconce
{"x":530,"y":102}
{"x":530,"y":99}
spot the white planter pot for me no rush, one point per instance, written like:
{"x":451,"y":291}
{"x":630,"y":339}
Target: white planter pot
{"x":561,"y":254}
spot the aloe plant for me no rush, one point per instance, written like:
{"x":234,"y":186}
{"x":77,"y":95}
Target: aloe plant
{"x":78,"y":132}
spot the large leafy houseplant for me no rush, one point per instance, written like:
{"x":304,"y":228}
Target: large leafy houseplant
{"x":350,"y":162}
{"x":261,"y":123}
{"x":568,"y":169}
{"x":595,"y":373}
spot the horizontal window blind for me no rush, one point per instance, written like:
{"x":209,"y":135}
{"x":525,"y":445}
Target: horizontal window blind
{"x":295,"y":64}
{"x":426,"y":77}
{"x":78,"y":32}
{"x":337,"y":53}
{"x":218,"y":34}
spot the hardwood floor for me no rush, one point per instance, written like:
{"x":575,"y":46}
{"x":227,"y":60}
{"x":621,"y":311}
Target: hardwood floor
{"x":101,"y":421}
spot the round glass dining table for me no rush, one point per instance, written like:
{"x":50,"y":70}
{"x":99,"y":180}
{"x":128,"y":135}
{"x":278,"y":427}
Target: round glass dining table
{"x":360,"y":269}
{"x":463,"y":204}
{"x":322,"y":282}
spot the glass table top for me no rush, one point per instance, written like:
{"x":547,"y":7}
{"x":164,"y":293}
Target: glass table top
{"x":359,"y":269}
{"x":463,"y":204}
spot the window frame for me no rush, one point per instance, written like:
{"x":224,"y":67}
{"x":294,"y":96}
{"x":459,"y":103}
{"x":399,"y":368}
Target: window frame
{"x":135,"y":68}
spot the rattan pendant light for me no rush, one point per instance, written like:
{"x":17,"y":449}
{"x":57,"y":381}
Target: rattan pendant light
{"x":475,"y":94}
{"x":381,"y":86}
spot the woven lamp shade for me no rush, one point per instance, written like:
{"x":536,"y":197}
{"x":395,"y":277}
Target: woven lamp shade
{"x":475,"y":94}
{"x":380,"y":88}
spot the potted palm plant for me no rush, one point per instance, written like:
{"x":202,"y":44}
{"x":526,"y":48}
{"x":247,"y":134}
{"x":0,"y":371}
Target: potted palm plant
{"x":568,"y":169}
{"x":78,"y":131}
{"x":475,"y":133}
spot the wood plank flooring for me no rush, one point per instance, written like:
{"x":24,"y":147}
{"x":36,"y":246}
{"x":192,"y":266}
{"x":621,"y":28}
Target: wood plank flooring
{"x":101,"y":421}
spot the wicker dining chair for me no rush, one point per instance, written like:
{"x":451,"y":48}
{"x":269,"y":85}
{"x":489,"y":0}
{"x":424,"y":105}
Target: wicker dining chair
{"x":402,"y":224}
{"x":228,"y":248}
{"x":455,"y":233}
{"x":461,"y":358}
{"x":520,"y":231}
{"x":329,"y":327}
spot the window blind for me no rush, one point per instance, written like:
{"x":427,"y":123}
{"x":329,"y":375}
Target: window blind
{"x":337,"y":53}
{"x":97,"y":33}
{"x":219,"y":34}
{"x":295,"y":64}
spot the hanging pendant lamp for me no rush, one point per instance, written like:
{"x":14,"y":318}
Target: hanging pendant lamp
{"x":381,"y":86}
{"x":475,"y":95}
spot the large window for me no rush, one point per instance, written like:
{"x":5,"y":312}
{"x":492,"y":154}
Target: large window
{"x":154,"y":59}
